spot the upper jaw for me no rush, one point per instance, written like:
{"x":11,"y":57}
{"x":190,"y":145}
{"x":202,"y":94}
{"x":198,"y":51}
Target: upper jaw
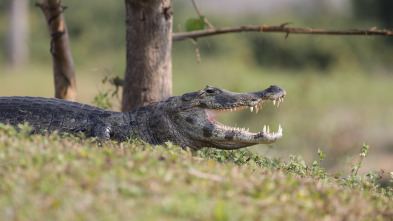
{"x":253,"y":100}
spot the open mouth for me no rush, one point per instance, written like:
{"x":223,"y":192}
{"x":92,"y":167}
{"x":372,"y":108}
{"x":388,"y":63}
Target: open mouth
{"x":213,"y":113}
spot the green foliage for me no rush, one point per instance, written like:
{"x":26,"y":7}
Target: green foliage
{"x":195,"y":24}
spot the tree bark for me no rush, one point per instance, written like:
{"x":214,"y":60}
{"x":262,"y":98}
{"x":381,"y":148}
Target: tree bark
{"x":63,"y":65}
{"x":17,"y":53}
{"x":149,"y":41}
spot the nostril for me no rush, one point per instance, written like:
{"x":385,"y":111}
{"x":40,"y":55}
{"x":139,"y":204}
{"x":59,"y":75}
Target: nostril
{"x":274,"y":88}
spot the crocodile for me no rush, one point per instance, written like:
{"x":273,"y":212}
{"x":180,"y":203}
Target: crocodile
{"x":188,"y":120}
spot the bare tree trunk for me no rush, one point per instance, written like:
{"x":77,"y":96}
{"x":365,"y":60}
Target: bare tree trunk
{"x":17,"y":53}
{"x":149,"y":42}
{"x":63,"y":65}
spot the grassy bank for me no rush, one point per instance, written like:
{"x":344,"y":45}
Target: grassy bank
{"x":53,"y":178}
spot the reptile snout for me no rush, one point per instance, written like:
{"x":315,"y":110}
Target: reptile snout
{"x":276,"y":89}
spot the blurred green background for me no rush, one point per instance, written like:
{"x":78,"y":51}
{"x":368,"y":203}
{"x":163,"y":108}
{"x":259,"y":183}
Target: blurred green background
{"x":339,"y":88}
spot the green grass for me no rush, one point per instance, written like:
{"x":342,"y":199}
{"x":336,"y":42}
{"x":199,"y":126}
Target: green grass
{"x":69,"y":178}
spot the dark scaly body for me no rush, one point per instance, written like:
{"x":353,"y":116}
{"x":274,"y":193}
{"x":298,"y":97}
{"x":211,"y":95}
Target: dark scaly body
{"x":187,"y":120}
{"x":51,"y":114}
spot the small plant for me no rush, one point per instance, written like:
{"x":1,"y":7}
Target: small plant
{"x":391,"y":179}
{"x":354,"y":179}
{"x":102,"y":100}
{"x":133,"y":137}
{"x":321,"y":156}
{"x":295,"y":165}
{"x":316,"y":165}
{"x":363,"y":154}
{"x":8,"y":130}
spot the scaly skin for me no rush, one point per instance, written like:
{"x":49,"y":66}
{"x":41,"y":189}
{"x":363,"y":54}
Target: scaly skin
{"x":187,"y":120}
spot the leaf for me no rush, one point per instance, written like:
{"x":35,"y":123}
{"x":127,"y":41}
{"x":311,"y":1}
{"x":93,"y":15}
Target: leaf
{"x":194,"y":24}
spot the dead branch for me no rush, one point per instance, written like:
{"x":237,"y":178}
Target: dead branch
{"x":279,"y":29}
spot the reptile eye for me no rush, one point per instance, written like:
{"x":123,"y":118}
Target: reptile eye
{"x":211,"y":91}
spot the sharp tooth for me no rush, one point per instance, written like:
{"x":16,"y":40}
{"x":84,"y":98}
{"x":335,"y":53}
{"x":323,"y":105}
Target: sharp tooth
{"x":248,"y":129}
{"x":268,"y":129}
{"x":264,"y":128}
{"x":274,"y":102}
{"x":282,"y":99}
{"x":279,"y":128}
{"x":251,"y":109}
{"x":278,"y":102}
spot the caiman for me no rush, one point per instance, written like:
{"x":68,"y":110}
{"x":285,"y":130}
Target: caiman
{"x":188,"y":120}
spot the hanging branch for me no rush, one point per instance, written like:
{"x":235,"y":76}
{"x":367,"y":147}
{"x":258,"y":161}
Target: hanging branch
{"x":63,"y":65}
{"x":198,"y":11}
{"x":280,"y":29}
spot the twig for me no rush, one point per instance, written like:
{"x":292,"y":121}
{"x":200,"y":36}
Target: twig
{"x":116,"y":81}
{"x":195,"y":43}
{"x":200,"y":14}
{"x":196,"y":50}
{"x":281,"y":28}
{"x":196,"y":8}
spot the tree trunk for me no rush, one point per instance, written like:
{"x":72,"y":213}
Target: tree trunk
{"x":149,"y":41}
{"x":63,"y":65}
{"x":17,"y":52}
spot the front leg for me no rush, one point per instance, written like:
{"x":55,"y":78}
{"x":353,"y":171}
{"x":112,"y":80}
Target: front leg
{"x":100,"y":128}
{"x":103,"y":131}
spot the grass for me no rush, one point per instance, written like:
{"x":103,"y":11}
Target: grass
{"x":48,"y":177}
